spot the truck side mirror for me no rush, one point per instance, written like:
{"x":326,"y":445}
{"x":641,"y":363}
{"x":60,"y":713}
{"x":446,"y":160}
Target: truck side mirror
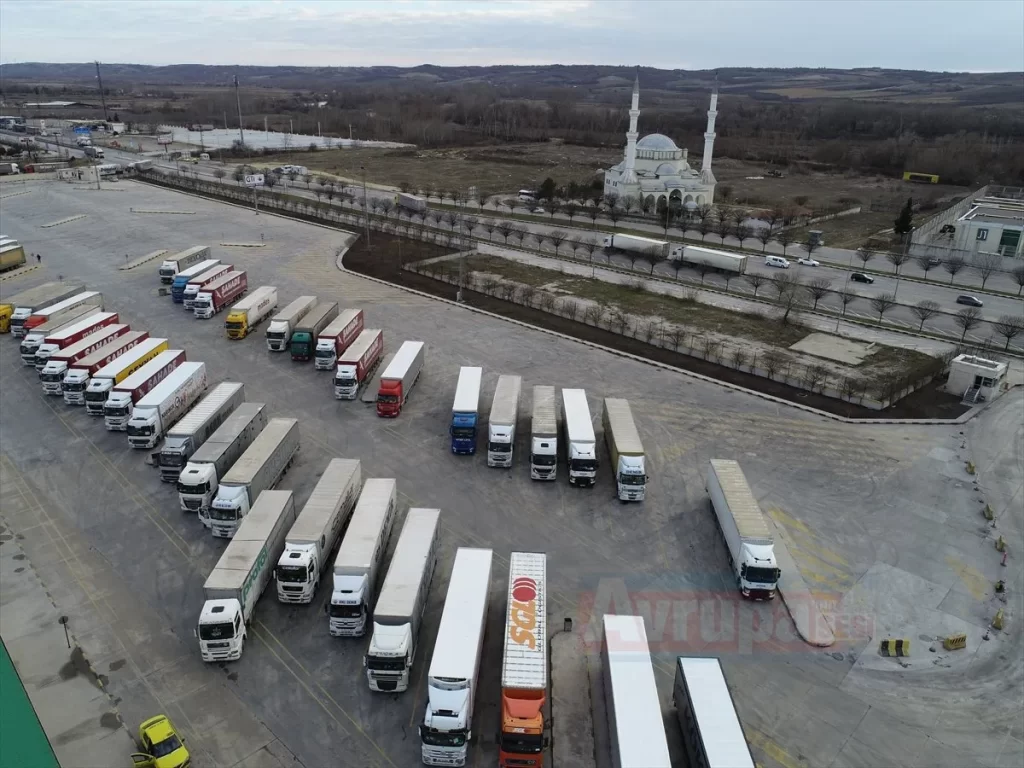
{"x":547,"y":742}
{"x":195,"y":632}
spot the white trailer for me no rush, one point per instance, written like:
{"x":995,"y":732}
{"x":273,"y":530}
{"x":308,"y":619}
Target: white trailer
{"x":163,"y":405}
{"x":361,"y":557}
{"x":245,"y":568}
{"x":707,"y":715}
{"x":501,"y":423}
{"x":185,"y":437}
{"x":637,"y":244}
{"x":748,"y":539}
{"x":626,"y":450}
{"x":636,"y":728}
{"x":399,"y":611}
{"x":580,"y":444}
{"x":722,"y":261}
{"x":311,"y":540}
{"x":455,"y":666}
{"x":77,"y":376}
{"x":544,"y":434}
{"x":180,"y":261}
{"x":100,"y":384}
{"x":23,"y":304}
{"x":257,"y":470}
{"x":411,"y":202}
{"x":198,"y":481}
{"x":279,"y":332}
{"x":398,"y":378}
{"x":250,"y":311}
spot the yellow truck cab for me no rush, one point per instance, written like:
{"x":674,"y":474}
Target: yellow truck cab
{"x":163,"y":747}
{"x":6,"y":310}
{"x":252,"y":310}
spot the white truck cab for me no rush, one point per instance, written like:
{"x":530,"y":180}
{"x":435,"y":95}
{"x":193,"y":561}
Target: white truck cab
{"x":228,"y":508}
{"x":117,"y":410}
{"x":196,"y":488}
{"x":73,"y":385}
{"x":221,"y":630}
{"x":43,"y":353}
{"x":52,"y":377}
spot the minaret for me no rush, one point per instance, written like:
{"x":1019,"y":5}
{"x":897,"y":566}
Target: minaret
{"x":706,"y":176}
{"x":629,"y":172}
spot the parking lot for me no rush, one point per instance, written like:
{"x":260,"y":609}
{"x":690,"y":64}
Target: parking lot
{"x":882,"y":521}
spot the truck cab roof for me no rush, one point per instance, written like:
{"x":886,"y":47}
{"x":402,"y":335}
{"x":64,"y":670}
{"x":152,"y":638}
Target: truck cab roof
{"x":217,"y":611}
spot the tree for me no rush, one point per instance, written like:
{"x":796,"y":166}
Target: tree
{"x":488,"y":226}
{"x":810,"y":245}
{"x":593,"y":212}
{"x":882,"y":303}
{"x":925,"y":310}
{"x":653,"y":256}
{"x":1009,"y":327}
{"x":575,"y":242}
{"x":846,"y":298}
{"x":772,"y":360}
{"x":647,"y":205}
{"x":547,"y":189}
{"x":985,"y":265}
{"x":571,"y":210}
{"x":629,"y":204}
{"x":703,"y":212}
{"x":469,"y":224}
{"x":954,"y":265}
{"x":865,"y":254}
{"x":293,"y":175}
{"x":743,"y":232}
{"x":613,"y":214}
{"x":519,"y":231}
{"x":238,"y":174}
{"x":270,"y":180}
{"x":785,"y":239}
{"x":557,"y":237}
{"x":764,"y":235}
{"x":904,"y":223}
{"x":704,"y":226}
{"x":504,"y":229}
{"x":703,"y":268}
{"x":789,"y":294}
{"x":897,"y":259}
{"x":722,"y":224}
{"x":925,"y":263}
{"x":756,"y":280}
{"x":590,"y":245}
{"x":1018,"y":277}
{"x":611,"y":200}
{"x":387,"y":205}
{"x":819,"y":288}
{"x":967,"y":319}
{"x":219,"y":173}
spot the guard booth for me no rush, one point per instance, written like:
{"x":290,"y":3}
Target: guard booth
{"x":975,"y":378}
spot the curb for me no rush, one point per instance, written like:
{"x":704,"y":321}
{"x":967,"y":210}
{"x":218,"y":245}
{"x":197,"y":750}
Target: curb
{"x":244,"y":245}
{"x":15,"y":194}
{"x":68,"y":220}
{"x":142,"y":260}
{"x":18,"y":273}
{"x":175,"y":213}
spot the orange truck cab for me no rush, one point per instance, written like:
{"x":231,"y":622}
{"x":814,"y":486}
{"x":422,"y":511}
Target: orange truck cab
{"x":524,"y":668}
{"x":398,"y":378}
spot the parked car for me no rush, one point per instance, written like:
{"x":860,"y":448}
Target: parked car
{"x":161,"y":744}
{"x":970,"y":301}
{"x":860,"y":277}
{"x":776,"y":261}
{"x":807,"y":261}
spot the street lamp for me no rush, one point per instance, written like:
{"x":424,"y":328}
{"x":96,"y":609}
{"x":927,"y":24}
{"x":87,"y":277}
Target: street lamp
{"x":366,"y":207}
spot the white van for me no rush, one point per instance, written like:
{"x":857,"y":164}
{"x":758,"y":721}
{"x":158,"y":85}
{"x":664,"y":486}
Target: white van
{"x":776,"y":261}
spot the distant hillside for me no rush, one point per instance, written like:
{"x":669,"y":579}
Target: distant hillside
{"x":792,"y":85}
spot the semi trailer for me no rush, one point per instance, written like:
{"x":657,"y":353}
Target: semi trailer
{"x":356,"y":363}
{"x":309,"y":328}
{"x":200,"y":282}
{"x":57,"y":364}
{"x":196,"y":427}
{"x":544,"y":434}
{"x":99,"y":384}
{"x":466,"y":410}
{"x":220,"y":293}
{"x":162,"y":406}
{"x":501,"y":423}
{"x":279,"y":332}
{"x":171,"y":266}
{"x":70,"y":335}
{"x":399,"y":377}
{"x":122,"y":397}
{"x":248,"y":313}
{"x":76,"y":378}
{"x":580,"y":444}
{"x":185,"y":276}
{"x":336,"y":338}
{"x":30,"y":342}
{"x":19,"y":307}
{"x":629,"y":466}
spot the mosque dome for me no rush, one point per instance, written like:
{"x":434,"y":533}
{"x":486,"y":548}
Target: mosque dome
{"x":658,"y":142}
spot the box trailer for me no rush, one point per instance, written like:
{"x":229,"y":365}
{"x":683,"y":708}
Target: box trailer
{"x":544,"y":434}
{"x":336,"y":338}
{"x":171,"y":266}
{"x":279,"y":332}
{"x":466,"y":410}
{"x":707,"y":715}
{"x":248,"y":313}
{"x":411,"y":202}
{"x":580,"y":444}
{"x":721,"y":261}
{"x":524,"y":665}
{"x":196,"y":427}
{"x":100,"y":384}
{"x":356,"y":363}
{"x":241,"y":575}
{"x":636,"y":728}
{"x":501,"y":423}
{"x":52,"y":375}
{"x":629,"y":466}
{"x":361,"y":557}
{"x":399,"y":377}
{"x":454,"y":671}
{"x":12,"y":256}
{"x":198,"y":481}
{"x":62,"y":308}
{"x":645,"y":245}
{"x":162,"y":406}
{"x":748,"y":537}
{"x":220,"y":293}
{"x":257,"y":470}
{"x":399,"y":611}
{"x":19,"y":307}
{"x":122,"y":397}
{"x":69,"y":335}
{"x":317,"y":528}
{"x":31,"y":341}
{"x":184,"y":277}
{"x":199,"y":282}
{"x":303,"y":341}
{"x":76,"y":378}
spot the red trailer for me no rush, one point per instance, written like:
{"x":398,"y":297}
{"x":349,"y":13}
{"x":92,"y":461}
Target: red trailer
{"x":72,"y":334}
{"x":52,"y":374}
{"x":356,"y":362}
{"x":202,"y":282}
{"x":220,"y":293}
{"x":118,"y":407}
{"x":79,"y":372}
{"x":336,"y":337}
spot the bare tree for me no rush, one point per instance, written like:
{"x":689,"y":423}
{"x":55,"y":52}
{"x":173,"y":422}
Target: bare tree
{"x":967,"y":319}
{"x":488,"y":226}
{"x":783,"y":281}
{"x":815,"y":377}
{"x":575,"y":242}
{"x":554,"y":206}
{"x":925,"y":310}
{"x":590,"y":245}
{"x":557,"y":237}
{"x":308,"y":179}
{"x":785,"y":239}
{"x":882,"y":303}
{"x":819,"y":288}
{"x":865,"y":255}
{"x":739,"y":357}
{"x":897,"y":259}
{"x":846,"y":298}
{"x":647,"y":205}
{"x":387,"y":205}
{"x":772,"y":360}
{"x":504,"y":229}
{"x":985,"y":265}
{"x":1009,"y":327}
{"x":633,"y":257}
{"x":704,"y":226}
{"x":469,"y":224}
{"x":653,"y":256}
{"x":519,"y":231}
{"x":810,"y":245}
{"x":703,"y":268}
{"x":571,"y":210}
{"x":614,"y":215}
{"x":629,"y":204}
{"x":593,"y":212}
{"x":723,"y":226}
{"x":764,"y":235}
{"x":743,"y":232}
{"x":219,"y":174}
{"x":954,"y":265}
{"x":1018,"y":277}
{"x":756,"y":280}
{"x":925,"y":263}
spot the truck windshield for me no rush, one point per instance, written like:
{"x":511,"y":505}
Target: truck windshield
{"x":346,"y":611}
{"x":583,"y":465}
{"x":524,"y":743}
{"x":463,"y":433}
{"x":385,"y":665}
{"x":198,"y":489}
{"x":499,"y":447}
{"x":234,"y":326}
{"x":344,"y":382}
{"x":50,"y":377}
{"x":74,"y":386}
{"x":387,"y":399}
{"x":172,"y":459}
{"x":140,"y":430}
{"x":223,"y":514}
{"x":324,"y":353}
{"x":291,"y":574}
{"x":95,"y":397}
{"x":632,"y":479}
{"x":761,"y":575}
{"x":543,"y":460}
{"x":116,"y":410}
{"x":275,"y":335}
{"x":433,"y":738}
{"x":221,"y":631}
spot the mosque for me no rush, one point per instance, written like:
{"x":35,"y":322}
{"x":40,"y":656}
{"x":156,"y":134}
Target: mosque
{"x":656,"y":170}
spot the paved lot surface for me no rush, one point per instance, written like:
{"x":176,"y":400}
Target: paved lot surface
{"x":876,"y":517}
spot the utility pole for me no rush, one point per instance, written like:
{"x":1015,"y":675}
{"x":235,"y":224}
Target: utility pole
{"x":266,"y":130}
{"x":366,"y":208}
{"x":238,"y":103}
{"x":103,"y":97}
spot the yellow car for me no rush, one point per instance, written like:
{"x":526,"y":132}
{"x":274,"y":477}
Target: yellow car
{"x":164,"y":748}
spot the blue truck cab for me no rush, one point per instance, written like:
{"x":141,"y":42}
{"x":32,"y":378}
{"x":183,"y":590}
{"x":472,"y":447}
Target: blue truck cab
{"x":181,"y":279}
{"x":466,"y":411}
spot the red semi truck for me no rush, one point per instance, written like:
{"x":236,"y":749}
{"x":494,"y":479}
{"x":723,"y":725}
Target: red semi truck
{"x":201,"y":282}
{"x":72,"y":334}
{"x":220,"y":294}
{"x":79,"y":372}
{"x":356,"y":362}
{"x":399,"y":377}
{"x":336,"y":338}
{"x":117,"y":410}
{"x":57,"y":365}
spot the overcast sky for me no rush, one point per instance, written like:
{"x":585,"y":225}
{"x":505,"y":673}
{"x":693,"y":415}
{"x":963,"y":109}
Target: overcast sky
{"x":959,"y":35}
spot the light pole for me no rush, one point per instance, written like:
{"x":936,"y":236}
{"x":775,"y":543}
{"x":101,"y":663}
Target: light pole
{"x":366,"y":207}
{"x":846,"y":285}
{"x":906,"y":255}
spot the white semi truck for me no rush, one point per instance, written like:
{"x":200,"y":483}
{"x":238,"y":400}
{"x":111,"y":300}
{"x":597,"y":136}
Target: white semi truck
{"x":279,"y":332}
{"x":56,"y":366}
{"x":180,"y":261}
{"x":76,"y":378}
{"x":721,"y":261}
{"x":245,"y":568}
{"x":185,"y":437}
{"x":117,"y":410}
{"x":198,"y":481}
{"x":317,"y":528}
{"x":626,"y":450}
{"x":361,"y":558}
{"x":257,"y":470}
{"x":637,"y":244}
{"x":398,"y":614}
{"x":23,"y":304}
{"x":455,"y":666}
{"x":501,"y":424}
{"x":707,"y":715}
{"x":748,"y":538}
{"x":98,"y":386}
{"x":168,"y":401}
{"x":580,"y":444}
{"x":544,"y":434}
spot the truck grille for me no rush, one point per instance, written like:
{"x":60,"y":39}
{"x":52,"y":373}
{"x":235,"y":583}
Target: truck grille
{"x":193,"y":504}
{"x":384,"y":684}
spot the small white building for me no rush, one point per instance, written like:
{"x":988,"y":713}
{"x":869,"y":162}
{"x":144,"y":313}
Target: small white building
{"x":975,"y":379}
{"x":992,"y":225}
